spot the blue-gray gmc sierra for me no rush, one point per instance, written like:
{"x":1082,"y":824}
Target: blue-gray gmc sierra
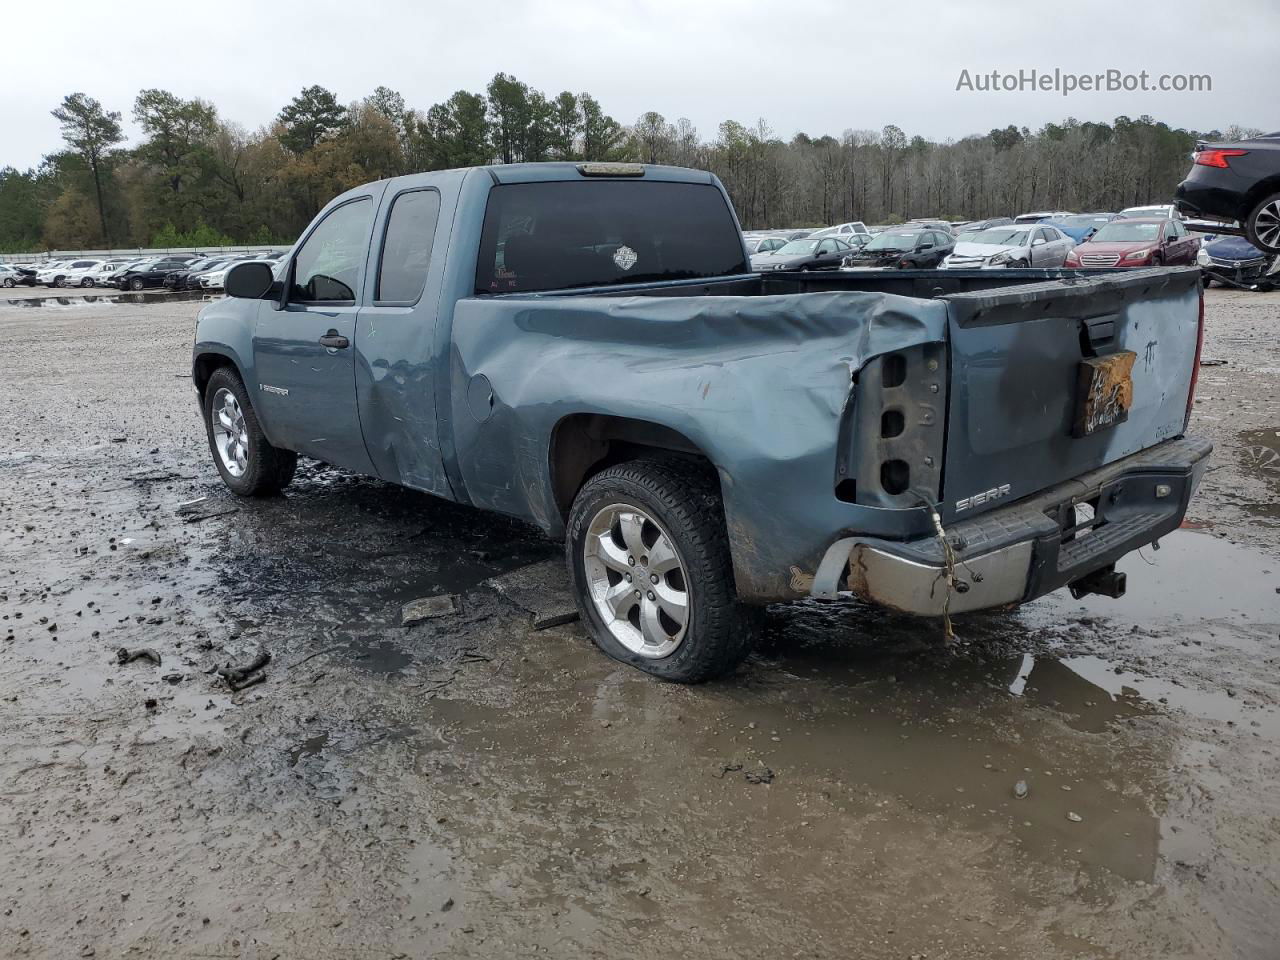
{"x":584,"y":346}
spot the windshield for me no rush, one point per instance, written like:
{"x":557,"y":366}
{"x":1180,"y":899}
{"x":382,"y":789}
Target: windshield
{"x":1001,"y":237}
{"x":1120,"y":232}
{"x":797,"y":248}
{"x":586,"y":233}
{"x":893,"y":241}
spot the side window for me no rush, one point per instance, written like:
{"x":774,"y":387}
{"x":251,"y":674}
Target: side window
{"x":406,"y":249}
{"x":327,"y":267}
{"x":827,"y":246}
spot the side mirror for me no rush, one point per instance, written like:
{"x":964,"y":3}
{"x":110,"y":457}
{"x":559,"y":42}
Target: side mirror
{"x":248,"y":281}
{"x":1039,"y":242}
{"x":925,"y":246}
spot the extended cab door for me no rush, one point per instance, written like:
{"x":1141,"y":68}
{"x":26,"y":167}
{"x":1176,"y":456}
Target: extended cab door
{"x":303,"y":354}
{"x":399,"y":357}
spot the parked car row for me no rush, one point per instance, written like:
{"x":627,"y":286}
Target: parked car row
{"x":1142,"y":236}
{"x":185,"y":271}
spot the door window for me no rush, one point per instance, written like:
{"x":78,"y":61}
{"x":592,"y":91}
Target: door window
{"x":406,"y":248}
{"x":327,"y":267}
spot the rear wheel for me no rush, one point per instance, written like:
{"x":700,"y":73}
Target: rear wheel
{"x":249,"y":465}
{"x":648,"y":552}
{"x":1263,"y":225}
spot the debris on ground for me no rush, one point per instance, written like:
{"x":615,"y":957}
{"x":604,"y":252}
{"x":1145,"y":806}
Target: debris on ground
{"x":243,"y":676}
{"x":1074,"y":817}
{"x":428,"y":608}
{"x":125,"y":655}
{"x":763,"y":775}
{"x":205,"y":508}
{"x":541,"y":588}
{"x":1212,"y":362}
{"x":1020,"y":790}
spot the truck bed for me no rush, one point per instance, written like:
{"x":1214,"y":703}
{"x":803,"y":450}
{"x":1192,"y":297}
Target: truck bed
{"x":850,"y":401}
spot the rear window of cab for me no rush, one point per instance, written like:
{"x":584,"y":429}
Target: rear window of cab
{"x":565,"y":234}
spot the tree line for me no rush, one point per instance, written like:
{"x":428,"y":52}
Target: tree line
{"x":199,"y":179}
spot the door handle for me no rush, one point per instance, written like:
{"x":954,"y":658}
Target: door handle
{"x":334,"y":341}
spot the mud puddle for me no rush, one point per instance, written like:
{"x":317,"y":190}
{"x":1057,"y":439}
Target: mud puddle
{"x":848,"y":712}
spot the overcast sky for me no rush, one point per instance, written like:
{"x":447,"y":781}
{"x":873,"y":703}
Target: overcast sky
{"x":821,"y":66}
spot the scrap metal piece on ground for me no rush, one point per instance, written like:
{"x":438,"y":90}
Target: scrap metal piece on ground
{"x":428,"y":608}
{"x":541,"y":588}
{"x":205,"y":508}
{"x":240,"y":677}
{"x":125,"y":655}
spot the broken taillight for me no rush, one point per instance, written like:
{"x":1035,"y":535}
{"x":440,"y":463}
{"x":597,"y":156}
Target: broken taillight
{"x":1195,"y":364}
{"x":1217,"y":158}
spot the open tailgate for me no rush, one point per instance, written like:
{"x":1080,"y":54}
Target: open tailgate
{"x":1052,"y":380}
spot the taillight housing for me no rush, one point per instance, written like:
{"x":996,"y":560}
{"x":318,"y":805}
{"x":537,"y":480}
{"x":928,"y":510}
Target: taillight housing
{"x":1195,"y":364}
{"x":1217,"y":158}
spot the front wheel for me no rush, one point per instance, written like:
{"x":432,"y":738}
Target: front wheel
{"x":249,"y":465}
{"x":87,"y":282}
{"x":136,"y":283}
{"x":10,"y":282}
{"x":648,"y":552}
{"x":1262,"y":228}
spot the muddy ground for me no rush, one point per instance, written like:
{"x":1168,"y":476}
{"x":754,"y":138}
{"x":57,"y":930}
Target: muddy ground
{"x":469,"y":787}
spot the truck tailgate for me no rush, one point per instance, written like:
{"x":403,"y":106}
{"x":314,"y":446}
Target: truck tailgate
{"x":1040,"y":373}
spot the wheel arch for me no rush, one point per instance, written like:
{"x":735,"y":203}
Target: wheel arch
{"x":1259,"y":192}
{"x":205,"y":363}
{"x":583,"y":444}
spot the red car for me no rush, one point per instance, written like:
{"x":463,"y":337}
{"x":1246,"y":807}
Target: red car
{"x":1141,"y":242}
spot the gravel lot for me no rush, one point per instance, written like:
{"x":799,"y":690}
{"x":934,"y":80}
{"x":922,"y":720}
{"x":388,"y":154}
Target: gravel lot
{"x":470,"y":787}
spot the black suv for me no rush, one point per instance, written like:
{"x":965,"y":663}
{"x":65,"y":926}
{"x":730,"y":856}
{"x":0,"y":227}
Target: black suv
{"x":149,"y":274}
{"x":1237,"y":181}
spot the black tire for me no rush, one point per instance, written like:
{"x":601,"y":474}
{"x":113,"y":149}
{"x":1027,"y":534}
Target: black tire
{"x":269,"y":469}
{"x":136,"y":283}
{"x":684,"y":498}
{"x":1271,"y":207}
{"x":9,"y":282}
{"x":87,"y":282}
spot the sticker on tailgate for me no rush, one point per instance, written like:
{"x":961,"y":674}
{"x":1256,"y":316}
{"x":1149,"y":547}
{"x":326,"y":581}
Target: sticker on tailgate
{"x":1104,"y":392}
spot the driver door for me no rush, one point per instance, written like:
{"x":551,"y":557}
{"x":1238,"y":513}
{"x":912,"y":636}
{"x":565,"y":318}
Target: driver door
{"x":303,"y":353}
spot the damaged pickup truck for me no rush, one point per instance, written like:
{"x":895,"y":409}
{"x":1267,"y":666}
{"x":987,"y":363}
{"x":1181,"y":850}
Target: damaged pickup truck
{"x":584,"y":346}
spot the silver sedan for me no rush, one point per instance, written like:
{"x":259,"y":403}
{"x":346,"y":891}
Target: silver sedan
{"x":1025,"y":245}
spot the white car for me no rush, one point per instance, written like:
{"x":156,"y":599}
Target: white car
{"x":97,"y":275}
{"x":1038,"y":215}
{"x":842,"y":229}
{"x":54,"y":273}
{"x":1165,"y":211}
{"x":9,"y":276}
{"x":764,"y":244}
{"x":1027,"y":245}
{"x":216,"y":279}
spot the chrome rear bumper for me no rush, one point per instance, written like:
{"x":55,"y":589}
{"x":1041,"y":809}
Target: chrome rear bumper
{"x":1027,"y":549}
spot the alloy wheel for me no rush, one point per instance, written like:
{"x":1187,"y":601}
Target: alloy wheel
{"x":230,"y":434}
{"x":636,"y":580}
{"x":1267,"y":224}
